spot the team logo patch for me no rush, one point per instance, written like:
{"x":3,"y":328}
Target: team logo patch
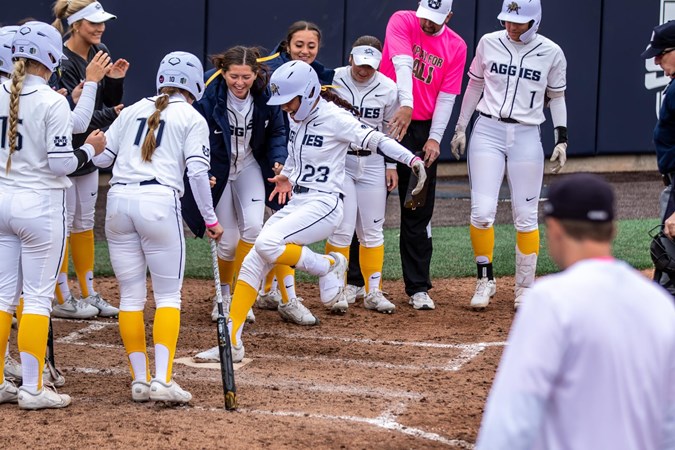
{"x":369,"y":51}
{"x":183,"y":80}
{"x":435,"y":4}
{"x":206,"y":151}
{"x":275,"y":89}
{"x":60,"y":141}
{"x":513,"y":7}
{"x":97,"y":6}
{"x":364,"y":127}
{"x":174,"y":61}
{"x":24,"y":30}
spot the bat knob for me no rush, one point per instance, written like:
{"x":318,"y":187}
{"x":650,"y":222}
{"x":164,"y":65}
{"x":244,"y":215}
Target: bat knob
{"x":230,"y":401}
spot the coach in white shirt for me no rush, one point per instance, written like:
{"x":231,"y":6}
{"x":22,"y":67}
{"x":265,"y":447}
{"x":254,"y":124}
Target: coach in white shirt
{"x":591,"y":357}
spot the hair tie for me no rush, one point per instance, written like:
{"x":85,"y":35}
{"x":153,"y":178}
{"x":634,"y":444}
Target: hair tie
{"x":325,"y":87}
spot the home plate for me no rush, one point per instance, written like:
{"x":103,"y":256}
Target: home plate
{"x":188,"y":361}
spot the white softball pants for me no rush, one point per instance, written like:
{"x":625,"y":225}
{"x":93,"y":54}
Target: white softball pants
{"x":81,"y":202}
{"x":497,"y":146}
{"x":32,"y":237}
{"x":144,"y":228}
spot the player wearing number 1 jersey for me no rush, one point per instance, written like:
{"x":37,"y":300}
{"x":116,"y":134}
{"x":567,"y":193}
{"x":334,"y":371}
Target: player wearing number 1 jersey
{"x":514,"y":73}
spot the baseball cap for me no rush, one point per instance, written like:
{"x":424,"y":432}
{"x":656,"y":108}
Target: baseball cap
{"x":366,"y":55}
{"x":93,"y":13}
{"x":583,"y":197}
{"x":434,"y":10}
{"x":663,"y":37}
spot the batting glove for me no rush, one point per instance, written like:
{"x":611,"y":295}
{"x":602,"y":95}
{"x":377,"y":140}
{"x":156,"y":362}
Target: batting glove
{"x":559,"y":156}
{"x":458,"y":143}
{"x":417,"y":166}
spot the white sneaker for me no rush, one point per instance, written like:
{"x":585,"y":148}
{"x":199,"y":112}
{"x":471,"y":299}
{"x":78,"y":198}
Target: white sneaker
{"x":521,"y":294}
{"x":376,"y":301}
{"x":227,"y":300}
{"x":331,"y":285}
{"x":422,"y":301}
{"x":250,"y":317}
{"x":13,"y":370}
{"x":485,"y":289}
{"x":294,"y":311}
{"x":140,"y":391}
{"x":46,"y":398}
{"x":105,"y":309}
{"x":8,"y":392}
{"x":238,"y":352}
{"x":213,"y":355}
{"x":340,"y":306}
{"x":74,"y":309}
{"x":52,"y":376}
{"x":354,"y":293}
{"x":171,"y":393}
{"x":269,"y":301}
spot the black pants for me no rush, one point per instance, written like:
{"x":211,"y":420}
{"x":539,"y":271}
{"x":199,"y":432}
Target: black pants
{"x":415,"y":242}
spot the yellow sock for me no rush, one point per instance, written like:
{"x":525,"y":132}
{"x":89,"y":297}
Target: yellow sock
{"x":269,"y":279}
{"x":344,"y":251}
{"x":242,"y":250}
{"x":19,"y":311}
{"x":165,"y":331}
{"x":32,"y":339}
{"x":5,"y":326}
{"x":132,"y":331}
{"x":282,"y":273}
{"x":64,"y":269}
{"x":242,"y":301}
{"x":226,"y":271}
{"x":372,"y":260}
{"x":483,"y":242}
{"x":290,"y":256}
{"x":528,"y":242}
{"x":83,"y":259}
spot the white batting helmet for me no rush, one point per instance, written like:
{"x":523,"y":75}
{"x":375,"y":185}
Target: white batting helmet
{"x":182,"y":70}
{"x":6,"y":36}
{"x":292,"y":79}
{"x":522,"y":11}
{"x":40,"y":42}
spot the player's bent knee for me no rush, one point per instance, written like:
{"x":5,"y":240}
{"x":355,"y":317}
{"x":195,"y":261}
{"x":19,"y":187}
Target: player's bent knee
{"x":268,"y":249}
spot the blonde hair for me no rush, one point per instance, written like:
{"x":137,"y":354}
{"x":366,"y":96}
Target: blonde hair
{"x":18,"y":76}
{"x":66,"y":8}
{"x":150,"y":142}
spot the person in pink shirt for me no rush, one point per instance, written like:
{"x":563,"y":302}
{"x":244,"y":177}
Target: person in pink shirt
{"x":426,"y":59}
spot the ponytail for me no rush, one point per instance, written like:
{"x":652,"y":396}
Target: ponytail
{"x":150,"y":142}
{"x":18,"y":76}
{"x":331,"y":96}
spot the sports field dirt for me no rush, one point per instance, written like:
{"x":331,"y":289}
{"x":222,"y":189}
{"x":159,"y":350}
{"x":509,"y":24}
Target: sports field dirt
{"x":413,"y":379}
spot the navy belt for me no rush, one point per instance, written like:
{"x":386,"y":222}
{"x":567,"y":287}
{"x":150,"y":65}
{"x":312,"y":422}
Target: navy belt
{"x":501,"y":119}
{"x":360,"y":152}
{"x":142,"y":183}
{"x":304,"y":190}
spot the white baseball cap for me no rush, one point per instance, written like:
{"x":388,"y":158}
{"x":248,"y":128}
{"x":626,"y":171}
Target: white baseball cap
{"x":434,"y":10}
{"x":365,"y":55}
{"x":93,"y":13}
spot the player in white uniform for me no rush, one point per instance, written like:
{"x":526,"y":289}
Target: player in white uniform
{"x":591,"y":357}
{"x":36,"y":157}
{"x":511,"y":77}
{"x":151,"y":144}
{"x":375,"y":97}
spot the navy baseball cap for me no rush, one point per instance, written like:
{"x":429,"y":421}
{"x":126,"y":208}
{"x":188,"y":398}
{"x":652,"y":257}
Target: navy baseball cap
{"x":583,"y":197}
{"x":663,"y":37}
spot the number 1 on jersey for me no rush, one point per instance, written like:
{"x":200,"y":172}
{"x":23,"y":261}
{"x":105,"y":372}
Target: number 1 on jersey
{"x":141,"y":128}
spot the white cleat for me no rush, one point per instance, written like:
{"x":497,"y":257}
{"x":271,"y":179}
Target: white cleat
{"x":521,"y":295}
{"x":294,"y":311}
{"x":8,"y":392}
{"x":376,"y":301}
{"x":250,"y":317}
{"x":227,"y":300}
{"x":52,"y":376}
{"x":105,"y":309}
{"x":485,"y":290}
{"x":340,"y":306}
{"x":213,"y":355}
{"x":421,"y":301}
{"x":140,"y":391}
{"x":170,"y":393}
{"x":354,"y":293}
{"x":46,"y":398}
{"x":270,"y":301}
{"x":13,"y":370}
{"x":74,"y":309}
{"x":331,"y":285}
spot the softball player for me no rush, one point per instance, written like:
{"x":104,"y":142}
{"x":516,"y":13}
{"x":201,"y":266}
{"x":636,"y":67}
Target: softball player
{"x":312,"y":178}
{"x":38,"y":155}
{"x":365,"y":187}
{"x":511,"y":77}
{"x":150,"y":145}
{"x":86,"y":24}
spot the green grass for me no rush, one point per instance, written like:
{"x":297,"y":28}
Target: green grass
{"x":453,"y":256}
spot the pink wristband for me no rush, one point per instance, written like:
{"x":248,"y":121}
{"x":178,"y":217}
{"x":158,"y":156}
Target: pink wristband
{"x":211,"y":225}
{"x":416,"y":158}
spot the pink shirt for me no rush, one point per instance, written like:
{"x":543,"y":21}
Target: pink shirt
{"x":438,"y":61}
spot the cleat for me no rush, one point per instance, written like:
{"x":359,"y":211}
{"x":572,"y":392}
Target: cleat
{"x":340,"y":306}
{"x":227,"y":300}
{"x":485,"y":289}
{"x":270,"y":301}
{"x":53,"y":376}
{"x":354,"y":293}
{"x":74,"y":309}
{"x":422,"y":301}
{"x":213,"y":355}
{"x":376,"y":301}
{"x":170,"y":393}
{"x":140,"y":391}
{"x":8,"y":392}
{"x":331,"y":285}
{"x":294,"y":311}
{"x":13,"y":370}
{"x":105,"y":309}
{"x":250,"y":317}
{"x":521,"y":294}
{"x":46,"y":398}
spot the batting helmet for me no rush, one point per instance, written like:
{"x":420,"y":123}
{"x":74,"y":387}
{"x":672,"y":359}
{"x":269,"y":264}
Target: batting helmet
{"x":522,"y":11}
{"x":662,"y":249}
{"x":6,"y":36}
{"x":292,"y":79}
{"x":40,"y":42}
{"x":182,"y":70}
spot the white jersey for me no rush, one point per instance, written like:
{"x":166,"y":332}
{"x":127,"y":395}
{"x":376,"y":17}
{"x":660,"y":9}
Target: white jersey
{"x":590,"y":365}
{"x":182,"y":134}
{"x":240,"y":116}
{"x":45,"y":131}
{"x":517,"y":76}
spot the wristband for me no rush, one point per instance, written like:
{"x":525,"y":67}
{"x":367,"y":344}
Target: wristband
{"x":416,"y":158}
{"x":560,"y":134}
{"x":211,"y":225}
